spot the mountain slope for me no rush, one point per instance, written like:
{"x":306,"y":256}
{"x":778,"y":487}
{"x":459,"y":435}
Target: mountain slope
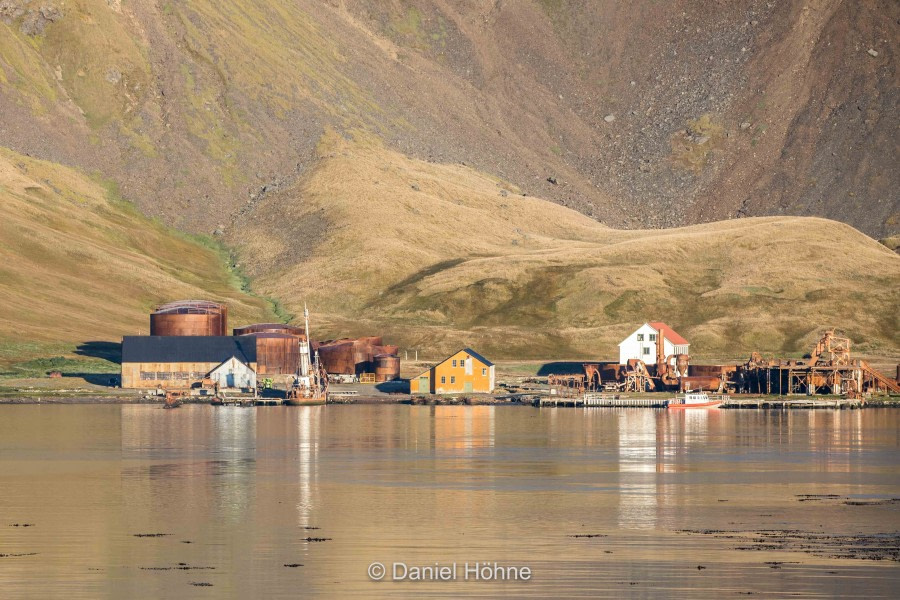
{"x":643,"y":114}
{"x":439,"y":256}
{"x":79,"y":265}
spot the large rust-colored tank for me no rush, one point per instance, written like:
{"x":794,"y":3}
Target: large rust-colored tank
{"x":387,"y":367}
{"x":276,"y":353}
{"x":189,"y":317}
{"x":362,"y":357}
{"x":385,"y":349}
{"x":352,"y":356}
{"x":336,"y":357}
{"x":270,"y":328}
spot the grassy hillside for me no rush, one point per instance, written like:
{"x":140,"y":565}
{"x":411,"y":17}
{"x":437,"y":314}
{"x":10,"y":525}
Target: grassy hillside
{"x":79,"y":266}
{"x":438,"y":256}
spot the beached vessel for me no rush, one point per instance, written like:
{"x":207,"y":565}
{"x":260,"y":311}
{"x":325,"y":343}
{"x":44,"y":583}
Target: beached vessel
{"x":311,"y":382}
{"x":695,"y":400}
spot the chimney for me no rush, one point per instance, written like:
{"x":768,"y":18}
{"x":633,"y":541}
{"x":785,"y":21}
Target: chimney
{"x":660,"y":353}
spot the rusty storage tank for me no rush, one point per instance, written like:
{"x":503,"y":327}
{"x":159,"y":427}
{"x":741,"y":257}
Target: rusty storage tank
{"x":386,"y":349}
{"x":387,"y":367}
{"x":336,"y":357}
{"x":189,"y":317}
{"x":270,"y":328}
{"x":276,"y":353}
{"x":362,"y":356}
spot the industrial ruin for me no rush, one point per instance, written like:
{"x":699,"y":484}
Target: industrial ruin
{"x":348,"y":359}
{"x":189,"y":348}
{"x":829,"y":369}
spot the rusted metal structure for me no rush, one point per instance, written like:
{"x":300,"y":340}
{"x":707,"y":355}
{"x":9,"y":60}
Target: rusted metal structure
{"x":356,"y":356}
{"x":637,"y":377}
{"x":189,"y":318}
{"x":569,"y":386}
{"x":276,"y":353}
{"x":829,"y":370}
{"x":337,"y":356}
{"x":387,"y":367}
{"x":282,"y":328}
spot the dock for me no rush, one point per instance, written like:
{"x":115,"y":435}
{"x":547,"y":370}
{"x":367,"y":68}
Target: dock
{"x":603,"y":400}
{"x":225,"y":400}
{"x":785,"y":402}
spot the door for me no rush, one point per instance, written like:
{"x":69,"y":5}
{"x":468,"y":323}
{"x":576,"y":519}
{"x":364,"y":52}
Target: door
{"x":423,"y":385}
{"x":467,"y":386}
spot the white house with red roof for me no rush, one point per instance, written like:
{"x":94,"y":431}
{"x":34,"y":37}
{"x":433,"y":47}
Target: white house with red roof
{"x":642,"y":343}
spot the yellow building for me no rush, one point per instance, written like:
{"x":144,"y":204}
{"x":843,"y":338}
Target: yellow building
{"x":463,"y":372}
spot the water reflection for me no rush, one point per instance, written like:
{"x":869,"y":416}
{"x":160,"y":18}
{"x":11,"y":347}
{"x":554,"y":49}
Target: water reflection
{"x":241,"y":490}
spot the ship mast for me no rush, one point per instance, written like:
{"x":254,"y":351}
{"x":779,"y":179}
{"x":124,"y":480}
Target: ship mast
{"x":309,"y":346}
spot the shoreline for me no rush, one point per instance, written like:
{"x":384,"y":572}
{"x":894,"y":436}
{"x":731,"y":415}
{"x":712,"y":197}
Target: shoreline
{"x":123,"y":399}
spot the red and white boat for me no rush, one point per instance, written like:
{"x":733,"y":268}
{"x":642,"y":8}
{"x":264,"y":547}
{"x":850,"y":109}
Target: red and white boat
{"x":695,"y":400}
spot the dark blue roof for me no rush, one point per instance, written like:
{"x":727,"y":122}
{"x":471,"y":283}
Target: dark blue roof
{"x":478,"y":356}
{"x":188,"y":348}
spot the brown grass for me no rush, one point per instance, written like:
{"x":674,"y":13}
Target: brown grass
{"x":436,"y":257}
{"x":77,"y":264}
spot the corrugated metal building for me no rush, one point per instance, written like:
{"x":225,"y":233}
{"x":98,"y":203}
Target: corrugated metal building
{"x":179,"y":361}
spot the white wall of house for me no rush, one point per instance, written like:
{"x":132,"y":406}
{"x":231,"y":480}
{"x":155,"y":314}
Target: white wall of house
{"x":642,"y":345}
{"x":234,"y":374}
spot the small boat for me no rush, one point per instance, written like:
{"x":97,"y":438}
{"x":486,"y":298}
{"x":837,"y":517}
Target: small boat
{"x":174,"y":399}
{"x":695,"y":400}
{"x":297,"y":397}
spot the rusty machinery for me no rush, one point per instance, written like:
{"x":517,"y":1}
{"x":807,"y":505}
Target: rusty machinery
{"x":829,"y":370}
{"x":569,"y":385}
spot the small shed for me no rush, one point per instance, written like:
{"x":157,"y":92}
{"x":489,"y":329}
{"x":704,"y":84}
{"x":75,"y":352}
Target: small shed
{"x":233,"y":373}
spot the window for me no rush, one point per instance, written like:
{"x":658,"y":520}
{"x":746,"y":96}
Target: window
{"x":453,"y":379}
{"x":484,"y":372}
{"x":454,"y":362}
{"x":646,"y":350}
{"x":462,"y":363}
{"x":443,"y":379}
{"x":640,"y":337}
{"x":652,"y":337}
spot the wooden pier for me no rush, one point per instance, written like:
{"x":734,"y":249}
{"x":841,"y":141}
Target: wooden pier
{"x":604,"y":400}
{"x":246,"y":401}
{"x":785,"y":402}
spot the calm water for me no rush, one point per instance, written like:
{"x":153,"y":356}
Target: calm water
{"x":421,"y":485}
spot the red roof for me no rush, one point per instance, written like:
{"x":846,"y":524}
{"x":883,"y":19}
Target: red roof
{"x":669,"y":333}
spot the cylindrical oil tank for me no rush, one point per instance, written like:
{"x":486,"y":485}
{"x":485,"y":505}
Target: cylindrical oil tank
{"x":387,"y":367}
{"x":385,"y":349}
{"x":362,"y":357}
{"x":337,"y":357}
{"x":276,"y":353}
{"x":189,"y":317}
{"x":270,"y":328}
